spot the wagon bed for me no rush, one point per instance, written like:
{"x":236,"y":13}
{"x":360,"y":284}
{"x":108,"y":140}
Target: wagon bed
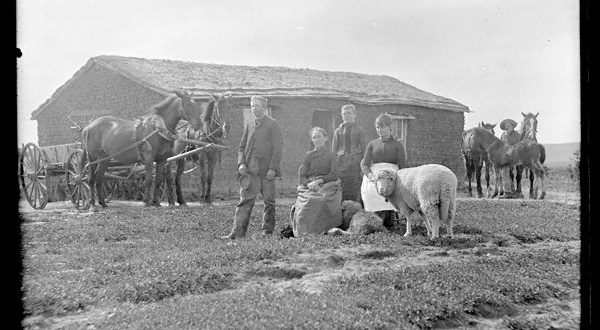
{"x":36,"y":164}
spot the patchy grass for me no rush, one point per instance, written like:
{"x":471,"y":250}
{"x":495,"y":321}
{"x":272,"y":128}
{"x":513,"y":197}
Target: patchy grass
{"x":166,"y":268}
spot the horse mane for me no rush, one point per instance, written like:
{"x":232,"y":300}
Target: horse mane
{"x":165,"y":104}
{"x":486,"y":132}
{"x":207,"y":111}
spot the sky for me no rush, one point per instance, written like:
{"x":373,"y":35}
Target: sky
{"x":497,"y":57}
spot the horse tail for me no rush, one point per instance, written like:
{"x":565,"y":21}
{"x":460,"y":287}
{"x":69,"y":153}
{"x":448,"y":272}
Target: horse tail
{"x":542,"y":153}
{"x":85,"y":132}
{"x":464,"y":147}
{"x":84,"y":143}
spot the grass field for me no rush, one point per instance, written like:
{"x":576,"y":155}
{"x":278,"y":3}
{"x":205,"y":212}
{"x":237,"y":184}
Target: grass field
{"x":512,"y":264}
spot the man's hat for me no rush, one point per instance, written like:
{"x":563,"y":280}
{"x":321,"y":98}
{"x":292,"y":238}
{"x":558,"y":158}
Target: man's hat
{"x":244,"y":181}
{"x":507,"y":121}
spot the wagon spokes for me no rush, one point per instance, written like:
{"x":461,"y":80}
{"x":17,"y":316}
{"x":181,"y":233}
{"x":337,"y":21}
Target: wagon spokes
{"x":76,"y":177}
{"x":32,"y":175}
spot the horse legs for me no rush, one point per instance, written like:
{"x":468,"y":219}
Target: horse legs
{"x":506,"y":184}
{"x":478,"y":165}
{"x":487,"y":178}
{"x":498,"y":179}
{"x":92,"y":183}
{"x":541,"y":175}
{"x":203,"y":181}
{"x":532,"y":191}
{"x":511,"y":176}
{"x":470,"y":170}
{"x":518,"y":178}
{"x":212,"y":161}
{"x":148,"y":165}
{"x":158,"y":182}
{"x":169,"y":183}
{"x":178,"y":172}
{"x":99,"y":183}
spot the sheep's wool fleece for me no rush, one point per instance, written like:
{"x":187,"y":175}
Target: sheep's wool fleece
{"x":427,"y":183}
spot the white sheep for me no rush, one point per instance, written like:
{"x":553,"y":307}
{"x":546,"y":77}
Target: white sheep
{"x":429,"y":190}
{"x":357,"y":221}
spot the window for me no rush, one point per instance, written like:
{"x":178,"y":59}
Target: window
{"x":400,"y":127}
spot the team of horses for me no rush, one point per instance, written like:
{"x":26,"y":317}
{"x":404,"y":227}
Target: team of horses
{"x":481,"y":146}
{"x":152,"y":139}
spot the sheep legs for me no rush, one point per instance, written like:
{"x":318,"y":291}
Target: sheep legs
{"x":432,"y":216}
{"x":436,"y":214}
{"x":409,"y":215}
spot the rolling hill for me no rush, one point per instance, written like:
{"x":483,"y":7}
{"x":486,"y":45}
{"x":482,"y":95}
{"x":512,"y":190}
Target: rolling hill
{"x":560,"y":154}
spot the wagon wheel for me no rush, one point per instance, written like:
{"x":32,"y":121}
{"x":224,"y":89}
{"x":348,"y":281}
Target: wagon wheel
{"x":32,"y":175}
{"x":76,"y":177}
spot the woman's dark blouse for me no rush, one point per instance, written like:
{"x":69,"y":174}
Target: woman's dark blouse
{"x":318,"y":164}
{"x":379,"y":151}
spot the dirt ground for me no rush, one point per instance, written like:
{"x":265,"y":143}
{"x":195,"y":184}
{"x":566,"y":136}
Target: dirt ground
{"x":572,"y":198}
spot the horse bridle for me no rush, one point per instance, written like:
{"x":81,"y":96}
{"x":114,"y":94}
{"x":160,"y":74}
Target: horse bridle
{"x":182,"y":112}
{"x":216,"y":119}
{"x":530,"y":129}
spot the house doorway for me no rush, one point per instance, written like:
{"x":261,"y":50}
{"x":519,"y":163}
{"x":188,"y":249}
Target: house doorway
{"x":325,"y":119}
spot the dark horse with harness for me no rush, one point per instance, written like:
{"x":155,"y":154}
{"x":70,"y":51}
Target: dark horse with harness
{"x":147,"y":140}
{"x":475,"y":157}
{"x":216,"y":115}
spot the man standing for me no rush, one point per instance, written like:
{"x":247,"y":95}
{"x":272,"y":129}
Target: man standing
{"x":510,"y":137}
{"x":349,"y":143}
{"x":259,"y":157}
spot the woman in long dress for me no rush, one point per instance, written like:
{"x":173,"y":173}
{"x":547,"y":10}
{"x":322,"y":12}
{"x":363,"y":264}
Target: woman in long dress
{"x":385,"y":152}
{"x":318,"y":205}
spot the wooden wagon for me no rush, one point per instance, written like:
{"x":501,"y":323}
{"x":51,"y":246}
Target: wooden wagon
{"x":37,"y":164}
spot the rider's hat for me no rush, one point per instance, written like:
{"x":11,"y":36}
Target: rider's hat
{"x":507,"y":121}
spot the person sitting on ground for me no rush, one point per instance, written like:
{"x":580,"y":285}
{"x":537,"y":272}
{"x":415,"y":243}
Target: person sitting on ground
{"x":318,"y":205}
{"x":319,"y":165}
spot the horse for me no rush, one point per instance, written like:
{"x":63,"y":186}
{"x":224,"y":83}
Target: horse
{"x":528,"y":131}
{"x":502,"y":156}
{"x":474,"y":159}
{"x":148,"y":140}
{"x":216,"y":127}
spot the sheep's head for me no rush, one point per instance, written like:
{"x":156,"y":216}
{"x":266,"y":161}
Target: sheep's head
{"x":385,"y":182}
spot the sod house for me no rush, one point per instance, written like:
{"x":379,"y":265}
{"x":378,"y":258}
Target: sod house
{"x":429,"y":125}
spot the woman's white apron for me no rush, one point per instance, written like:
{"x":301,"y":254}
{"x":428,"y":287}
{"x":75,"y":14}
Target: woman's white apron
{"x":372,"y":200}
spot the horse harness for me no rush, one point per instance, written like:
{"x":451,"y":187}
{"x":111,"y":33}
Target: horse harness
{"x":160,"y":128}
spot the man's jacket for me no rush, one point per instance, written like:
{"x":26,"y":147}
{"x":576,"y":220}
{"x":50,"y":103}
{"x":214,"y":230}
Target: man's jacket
{"x":263,"y":143}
